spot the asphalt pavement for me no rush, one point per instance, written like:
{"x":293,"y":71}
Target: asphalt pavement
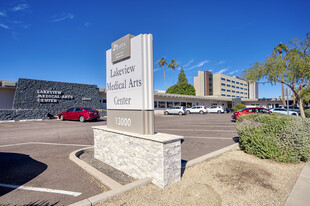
{"x":34,"y":156}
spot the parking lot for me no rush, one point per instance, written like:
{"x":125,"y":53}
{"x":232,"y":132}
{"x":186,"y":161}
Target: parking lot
{"x":36,"y":155}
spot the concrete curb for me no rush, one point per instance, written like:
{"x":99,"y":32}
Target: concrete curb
{"x":210,"y":155}
{"x":104,"y":179}
{"x":112,"y":193}
{"x":125,"y":188}
{"x":22,"y":120}
{"x":117,"y":188}
{"x":299,"y":195}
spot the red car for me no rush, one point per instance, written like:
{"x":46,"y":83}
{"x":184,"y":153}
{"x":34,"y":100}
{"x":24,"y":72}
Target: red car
{"x":79,"y":113}
{"x":247,"y":111}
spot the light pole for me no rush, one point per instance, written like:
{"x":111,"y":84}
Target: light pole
{"x":287,"y":92}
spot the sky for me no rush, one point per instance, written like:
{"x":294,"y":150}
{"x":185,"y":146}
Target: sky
{"x":66,"y":41}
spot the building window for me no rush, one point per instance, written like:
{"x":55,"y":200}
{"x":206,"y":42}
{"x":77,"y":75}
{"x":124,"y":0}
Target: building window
{"x":228,"y":90}
{"x":228,"y":80}
{"x":223,"y":90}
{"x":223,"y":95}
{"x":241,"y":83}
{"x":155,"y":104}
{"x":233,"y":86}
{"x":169,"y":104}
{"x":233,"y":91}
{"x":228,"y":85}
{"x":237,"y":92}
{"x":237,"y":82}
{"x":241,"y":92}
{"x":233,"y":95}
{"x":104,"y":101}
{"x":177,"y":104}
{"x":223,"y":79}
{"x":228,"y":95}
{"x":183,"y":104}
{"x":161,"y":104}
{"x":189,"y":105}
{"x":237,"y":87}
{"x":245,"y":85}
{"x":241,"y":88}
{"x":238,"y":96}
{"x":223,"y":84}
{"x":233,"y":81}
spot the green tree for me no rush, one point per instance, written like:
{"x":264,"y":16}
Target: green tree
{"x":293,"y":69}
{"x":182,"y":88}
{"x":162,"y":63}
{"x":305,"y":94}
{"x":173,"y":64}
{"x":182,"y":77}
{"x":279,"y":49}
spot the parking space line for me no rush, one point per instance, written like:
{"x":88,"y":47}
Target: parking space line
{"x":46,"y":143}
{"x":39,"y":189}
{"x":200,"y":130}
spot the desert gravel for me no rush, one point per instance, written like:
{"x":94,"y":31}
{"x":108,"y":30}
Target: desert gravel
{"x":234,"y":178}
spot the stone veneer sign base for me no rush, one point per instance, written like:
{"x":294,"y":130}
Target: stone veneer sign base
{"x":156,"y":156}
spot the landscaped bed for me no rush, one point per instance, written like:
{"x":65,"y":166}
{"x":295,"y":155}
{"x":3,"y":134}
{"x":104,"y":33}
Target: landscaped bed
{"x":234,"y":178}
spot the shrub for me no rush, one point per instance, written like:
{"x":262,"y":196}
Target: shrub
{"x":239,"y":106}
{"x":307,"y":113}
{"x":279,"y":137}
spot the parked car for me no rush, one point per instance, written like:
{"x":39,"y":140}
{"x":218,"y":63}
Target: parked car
{"x":79,"y":113}
{"x":290,"y":108}
{"x":283,"y":111}
{"x":216,"y":109}
{"x":227,"y":110}
{"x":247,"y":111}
{"x":175,"y":110}
{"x":306,"y":107}
{"x":197,"y":109}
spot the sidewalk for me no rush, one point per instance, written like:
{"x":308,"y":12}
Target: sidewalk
{"x":300,"y":195}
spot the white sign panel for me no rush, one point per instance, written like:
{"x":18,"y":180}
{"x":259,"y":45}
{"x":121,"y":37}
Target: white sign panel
{"x":130,"y":82}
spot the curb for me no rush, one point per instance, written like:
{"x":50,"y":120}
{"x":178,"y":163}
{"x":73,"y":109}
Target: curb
{"x":117,"y":188}
{"x":104,"y":179}
{"x":22,"y":120}
{"x":112,"y":193}
{"x":210,"y":155}
{"x":299,"y":195}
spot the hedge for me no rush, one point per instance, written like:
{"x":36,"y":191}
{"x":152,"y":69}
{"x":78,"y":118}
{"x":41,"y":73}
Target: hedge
{"x":307,"y":113}
{"x":278,"y":137}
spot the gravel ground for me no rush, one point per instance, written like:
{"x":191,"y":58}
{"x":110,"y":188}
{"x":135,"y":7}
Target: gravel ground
{"x":234,"y":178}
{"x":120,"y":177}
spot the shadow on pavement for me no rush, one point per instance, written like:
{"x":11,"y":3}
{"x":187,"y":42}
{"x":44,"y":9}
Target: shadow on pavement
{"x":41,"y":203}
{"x":17,"y":169}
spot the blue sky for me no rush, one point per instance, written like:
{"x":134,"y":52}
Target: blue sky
{"x":66,"y":40}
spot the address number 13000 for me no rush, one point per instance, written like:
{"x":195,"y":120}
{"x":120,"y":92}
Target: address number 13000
{"x":121,"y":121}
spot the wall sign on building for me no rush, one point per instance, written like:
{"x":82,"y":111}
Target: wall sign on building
{"x":129,"y":73}
{"x":54,"y":97}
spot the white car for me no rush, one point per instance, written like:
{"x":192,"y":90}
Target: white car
{"x":175,"y":110}
{"x":283,"y":111}
{"x":197,"y":109}
{"x":215,"y":109}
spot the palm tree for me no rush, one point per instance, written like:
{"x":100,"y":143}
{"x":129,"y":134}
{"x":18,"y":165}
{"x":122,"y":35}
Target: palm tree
{"x":279,"y":49}
{"x":173,"y":64}
{"x":162,"y":63}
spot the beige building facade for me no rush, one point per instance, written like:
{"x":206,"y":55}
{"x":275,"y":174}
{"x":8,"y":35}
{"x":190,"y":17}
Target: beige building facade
{"x":222,"y":85}
{"x":227,"y":86}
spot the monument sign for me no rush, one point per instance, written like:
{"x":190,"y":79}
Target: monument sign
{"x":129,"y":72}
